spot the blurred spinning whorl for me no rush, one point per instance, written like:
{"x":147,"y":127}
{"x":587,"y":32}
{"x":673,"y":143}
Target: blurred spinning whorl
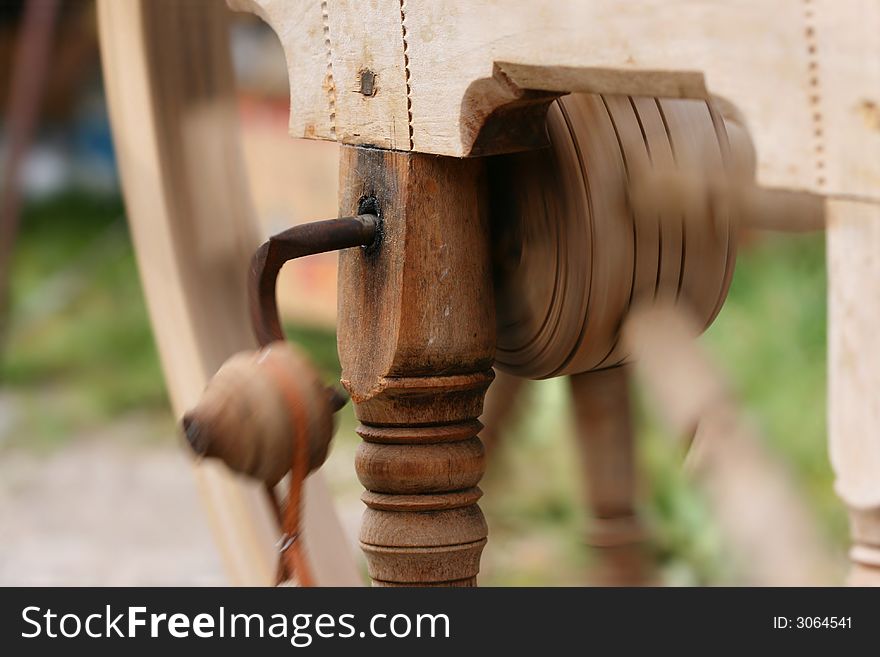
{"x":575,"y":250}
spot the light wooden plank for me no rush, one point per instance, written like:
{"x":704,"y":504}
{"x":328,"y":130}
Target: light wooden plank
{"x":466,"y":59}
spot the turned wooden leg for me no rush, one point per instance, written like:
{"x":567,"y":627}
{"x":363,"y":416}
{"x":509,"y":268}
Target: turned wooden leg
{"x":605,"y":436}
{"x":854,"y":375}
{"x":416,"y":343}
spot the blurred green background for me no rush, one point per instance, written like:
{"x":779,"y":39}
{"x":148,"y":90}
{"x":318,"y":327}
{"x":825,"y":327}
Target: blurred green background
{"x":79,"y":354}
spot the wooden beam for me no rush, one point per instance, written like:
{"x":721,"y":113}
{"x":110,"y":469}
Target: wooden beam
{"x":803,"y":74}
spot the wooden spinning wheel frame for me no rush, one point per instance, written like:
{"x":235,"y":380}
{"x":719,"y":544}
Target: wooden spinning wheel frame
{"x":447,"y":88}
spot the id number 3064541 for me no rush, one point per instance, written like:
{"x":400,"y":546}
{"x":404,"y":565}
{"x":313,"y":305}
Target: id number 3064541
{"x":812,"y":622}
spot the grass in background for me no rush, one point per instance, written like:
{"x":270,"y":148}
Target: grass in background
{"x":78,"y":350}
{"x":80,"y":354}
{"x":771,"y":338}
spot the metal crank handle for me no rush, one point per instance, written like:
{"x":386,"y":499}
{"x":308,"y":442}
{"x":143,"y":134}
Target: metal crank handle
{"x":261,"y":405}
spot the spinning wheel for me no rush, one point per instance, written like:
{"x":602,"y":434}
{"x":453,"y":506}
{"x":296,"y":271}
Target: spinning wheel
{"x":626,"y":223}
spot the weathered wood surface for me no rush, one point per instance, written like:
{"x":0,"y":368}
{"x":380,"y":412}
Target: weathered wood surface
{"x":169,"y":85}
{"x":416,"y":340}
{"x":804,"y":74}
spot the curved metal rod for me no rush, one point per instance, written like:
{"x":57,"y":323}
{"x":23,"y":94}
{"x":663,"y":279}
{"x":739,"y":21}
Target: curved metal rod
{"x":303,"y":240}
{"x":306,"y":239}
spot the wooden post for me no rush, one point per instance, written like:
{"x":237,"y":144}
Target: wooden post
{"x":854,"y":375}
{"x":606,"y":440}
{"x":416,"y":342}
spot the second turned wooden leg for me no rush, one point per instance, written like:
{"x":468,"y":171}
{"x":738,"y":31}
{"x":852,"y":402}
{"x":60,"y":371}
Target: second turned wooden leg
{"x":605,"y":436}
{"x":416,"y":343}
{"x":853,"y":243}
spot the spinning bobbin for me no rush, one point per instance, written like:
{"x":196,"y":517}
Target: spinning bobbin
{"x":575,"y":251}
